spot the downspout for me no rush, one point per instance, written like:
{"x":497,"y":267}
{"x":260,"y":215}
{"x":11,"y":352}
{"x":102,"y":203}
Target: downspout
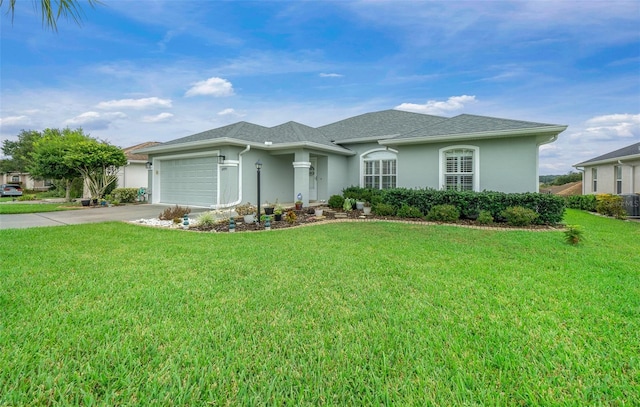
{"x":235,"y":203}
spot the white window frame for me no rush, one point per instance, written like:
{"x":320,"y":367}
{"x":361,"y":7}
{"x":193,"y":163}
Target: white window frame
{"x":594,"y":179}
{"x":617,"y":174}
{"x":363,"y":160}
{"x":476,"y":164}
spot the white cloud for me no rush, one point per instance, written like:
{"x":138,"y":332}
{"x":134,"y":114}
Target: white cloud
{"x":217,"y":87}
{"x":230,"y":112}
{"x":157,"y":118}
{"x":95,"y":120}
{"x":454,"y":103}
{"x":331,"y":75}
{"x":143,"y":103}
{"x":14,"y":120}
{"x":609,"y":127}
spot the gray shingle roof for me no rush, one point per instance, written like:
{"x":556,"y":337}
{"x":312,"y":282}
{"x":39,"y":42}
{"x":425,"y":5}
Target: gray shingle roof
{"x":468,"y":124}
{"x":385,"y":124}
{"x":632,"y":150}
{"x":378,"y":124}
{"x":241,"y":130}
{"x":292,"y":132}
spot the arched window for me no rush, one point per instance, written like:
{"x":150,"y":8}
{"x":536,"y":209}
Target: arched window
{"x":379,"y":169}
{"x":459,"y":168}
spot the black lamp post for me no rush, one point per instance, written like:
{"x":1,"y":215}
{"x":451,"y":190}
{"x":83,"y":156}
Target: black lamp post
{"x":258,"y":167}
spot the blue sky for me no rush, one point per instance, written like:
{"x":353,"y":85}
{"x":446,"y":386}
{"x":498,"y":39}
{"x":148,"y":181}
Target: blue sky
{"x":140,"y":71}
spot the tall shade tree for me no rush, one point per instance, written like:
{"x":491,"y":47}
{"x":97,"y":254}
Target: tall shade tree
{"x":48,"y":159}
{"x":20,"y":151}
{"x":52,"y":10}
{"x":98,"y":162}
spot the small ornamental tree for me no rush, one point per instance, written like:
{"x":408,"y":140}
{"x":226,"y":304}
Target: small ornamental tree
{"x":49,"y":153}
{"x":98,"y":163}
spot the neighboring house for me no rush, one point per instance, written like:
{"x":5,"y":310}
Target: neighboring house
{"x":385,"y":149}
{"x":135,"y":174}
{"x":25,"y":180}
{"x":617,"y":172}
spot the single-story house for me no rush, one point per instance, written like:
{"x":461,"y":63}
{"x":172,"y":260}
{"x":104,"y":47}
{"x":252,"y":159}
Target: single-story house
{"x":135,"y":174}
{"x":385,"y":149}
{"x":25,"y":180}
{"x":616,"y":172}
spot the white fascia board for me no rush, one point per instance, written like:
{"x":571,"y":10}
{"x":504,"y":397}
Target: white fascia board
{"x":551,"y":130}
{"x":365,"y":139}
{"x":226,"y":141}
{"x":633,"y":157}
{"x":309,"y":144}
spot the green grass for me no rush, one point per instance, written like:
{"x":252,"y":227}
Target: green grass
{"x":17,"y":208}
{"x":341,"y":314}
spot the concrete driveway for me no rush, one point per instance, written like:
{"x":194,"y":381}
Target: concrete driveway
{"x":86,"y":215}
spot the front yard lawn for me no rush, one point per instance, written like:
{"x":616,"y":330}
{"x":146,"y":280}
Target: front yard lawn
{"x":16,"y":208}
{"x":338,"y":314}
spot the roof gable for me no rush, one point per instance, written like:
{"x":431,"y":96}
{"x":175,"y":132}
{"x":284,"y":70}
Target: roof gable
{"x":380,"y":124}
{"x":629,"y":151}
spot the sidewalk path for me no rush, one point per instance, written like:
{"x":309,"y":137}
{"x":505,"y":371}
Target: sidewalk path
{"x":88,"y":215}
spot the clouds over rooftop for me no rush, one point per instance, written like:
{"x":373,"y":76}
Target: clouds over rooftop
{"x":435,"y":107}
{"x":215,"y":86}
{"x":143,"y":103}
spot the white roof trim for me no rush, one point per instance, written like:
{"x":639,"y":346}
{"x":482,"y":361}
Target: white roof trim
{"x":615,"y":160}
{"x":217,"y":142}
{"x":479,"y":135}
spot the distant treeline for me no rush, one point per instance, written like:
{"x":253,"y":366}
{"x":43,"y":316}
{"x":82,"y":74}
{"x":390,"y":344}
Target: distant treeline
{"x":560,"y":179}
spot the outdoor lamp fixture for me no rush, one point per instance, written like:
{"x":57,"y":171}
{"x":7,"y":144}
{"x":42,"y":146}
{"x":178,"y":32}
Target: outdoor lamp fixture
{"x":258,"y":167}
{"x":148,"y":164}
{"x":221,"y":159}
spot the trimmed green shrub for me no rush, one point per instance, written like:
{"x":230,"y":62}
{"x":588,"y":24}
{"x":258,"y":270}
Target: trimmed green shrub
{"x":407,"y":211}
{"x":484,"y":218}
{"x":519,"y":216}
{"x":443,"y":213}
{"x":363,"y":194}
{"x":125,"y":195}
{"x":335,"y":202}
{"x":550,"y":208}
{"x":582,"y":202}
{"x":383,"y":209}
{"x":610,"y":205}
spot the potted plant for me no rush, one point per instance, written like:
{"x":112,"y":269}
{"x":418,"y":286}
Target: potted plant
{"x":359,"y":205}
{"x":298,"y":205}
{"x":268,"y":208}
{"x":277,"y":213}
{"x":247,"y":211}
{"x":319,"y":211}
{"x":366,"y":208}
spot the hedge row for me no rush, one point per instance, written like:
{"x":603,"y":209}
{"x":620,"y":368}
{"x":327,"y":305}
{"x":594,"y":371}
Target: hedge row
{"x":550,"y":208}
{"x":582,"y":202}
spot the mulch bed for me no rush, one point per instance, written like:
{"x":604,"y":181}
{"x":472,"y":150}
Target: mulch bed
{"x":307,"y":217}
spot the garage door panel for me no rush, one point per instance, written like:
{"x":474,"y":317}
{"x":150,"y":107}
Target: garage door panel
{"x":189,"y":181}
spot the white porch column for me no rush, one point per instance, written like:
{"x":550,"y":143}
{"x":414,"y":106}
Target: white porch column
{"x":301,"y":167}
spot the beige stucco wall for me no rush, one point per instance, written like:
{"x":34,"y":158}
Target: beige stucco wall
{"x":606,"y":178}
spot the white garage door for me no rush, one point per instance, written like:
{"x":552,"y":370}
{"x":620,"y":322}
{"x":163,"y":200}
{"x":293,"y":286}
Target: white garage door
{"x":189,"y":181}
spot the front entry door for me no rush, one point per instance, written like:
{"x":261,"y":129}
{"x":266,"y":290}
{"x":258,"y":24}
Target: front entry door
{"x":313,"y":180}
